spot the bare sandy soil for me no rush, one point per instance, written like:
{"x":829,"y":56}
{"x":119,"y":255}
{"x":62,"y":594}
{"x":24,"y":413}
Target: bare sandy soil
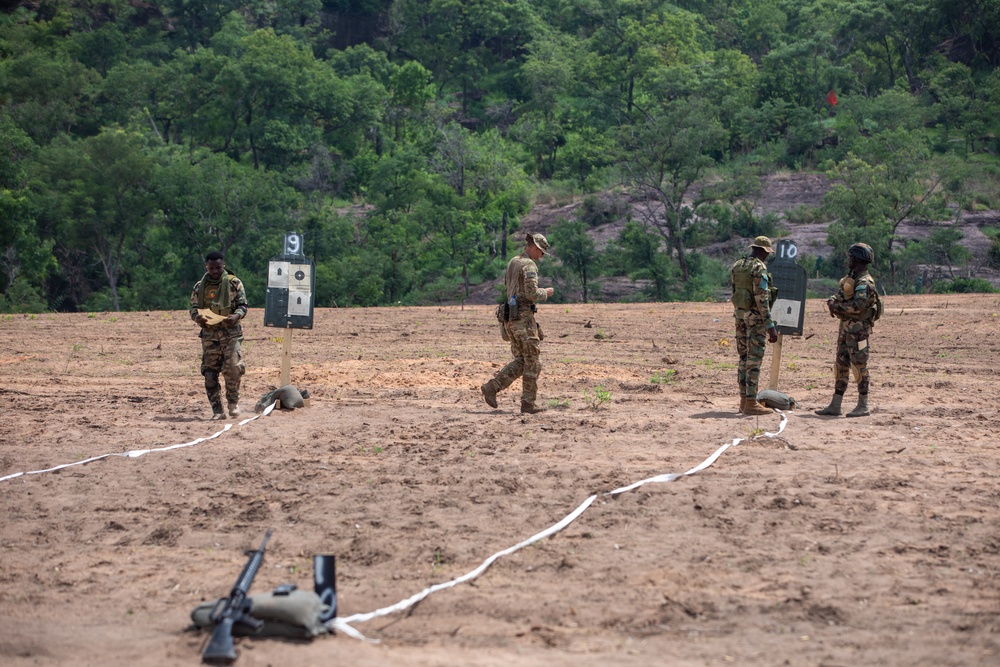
{"x":872,"y":541}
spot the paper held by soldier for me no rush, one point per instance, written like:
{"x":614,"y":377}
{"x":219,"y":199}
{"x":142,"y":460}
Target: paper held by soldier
{"x":213,"y":318}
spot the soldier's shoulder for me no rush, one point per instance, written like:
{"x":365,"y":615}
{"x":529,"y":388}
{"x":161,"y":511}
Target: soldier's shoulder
{"x":235,"y":282}
{"x":866,"y":280}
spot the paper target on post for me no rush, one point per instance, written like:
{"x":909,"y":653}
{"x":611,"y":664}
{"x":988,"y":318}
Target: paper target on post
{"x":785,"y":313}
{"x":277,"y":274}
{"x":291,"y":285}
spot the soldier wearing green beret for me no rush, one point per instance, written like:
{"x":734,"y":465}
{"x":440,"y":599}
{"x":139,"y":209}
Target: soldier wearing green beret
{"x":751,"y":299}
{"x":857,"y":306}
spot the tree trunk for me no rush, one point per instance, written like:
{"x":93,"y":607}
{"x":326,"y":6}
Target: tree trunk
{"x":678,"y":240}
{"x":503,"y":238}
{"x":111,"y":261}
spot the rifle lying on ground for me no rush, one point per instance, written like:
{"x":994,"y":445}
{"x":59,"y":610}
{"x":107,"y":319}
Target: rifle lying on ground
{"x":234,"y":609}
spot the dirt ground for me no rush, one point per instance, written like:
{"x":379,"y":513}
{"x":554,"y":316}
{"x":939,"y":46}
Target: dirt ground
{"x":872,"y":541}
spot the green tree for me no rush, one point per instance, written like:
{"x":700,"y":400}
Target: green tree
{"x":26,"y":259}
{"x":577,"y":252}
{"x":96,"y":195}
{"x":662,"y":157}
{"x":636,"y":253}
{"x":44,"y":90}
{"x":893,"y":181}
{"x":214,"y":203}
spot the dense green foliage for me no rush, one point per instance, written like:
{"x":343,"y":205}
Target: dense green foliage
{"x":407,"y":138}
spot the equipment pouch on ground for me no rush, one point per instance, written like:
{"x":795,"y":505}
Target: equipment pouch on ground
{"x":282,"y":613}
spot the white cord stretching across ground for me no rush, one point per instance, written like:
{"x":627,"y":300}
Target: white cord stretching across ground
{"x":136,"y":453}
{"x":344,"y":624}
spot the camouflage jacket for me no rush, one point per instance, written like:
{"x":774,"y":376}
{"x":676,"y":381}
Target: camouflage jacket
{"x":521,"y":281}
{"x":854,"y":302}
{"x":210,"y":298}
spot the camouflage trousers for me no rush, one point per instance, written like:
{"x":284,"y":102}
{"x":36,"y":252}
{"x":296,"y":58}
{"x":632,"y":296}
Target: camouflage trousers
{"x":751,"y":339}
{"x":221,"y":352}
{"x":852,"y":353}
{"x":524,"y":345}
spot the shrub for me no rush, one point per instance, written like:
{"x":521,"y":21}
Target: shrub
{"x":596,"y":210}
{"x":963,"y":286}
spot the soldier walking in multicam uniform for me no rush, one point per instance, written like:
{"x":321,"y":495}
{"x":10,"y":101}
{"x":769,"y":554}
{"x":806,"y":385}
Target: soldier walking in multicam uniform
{"x":751,"y":285}
{"x":857,"y":307}
{"x":221,"y":292}
{"x":522,"y":330}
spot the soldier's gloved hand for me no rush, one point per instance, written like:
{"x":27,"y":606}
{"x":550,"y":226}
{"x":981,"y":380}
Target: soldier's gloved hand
{"x":829,"y":305}
{"x":772,"y":335}
{"x":232,"y":320}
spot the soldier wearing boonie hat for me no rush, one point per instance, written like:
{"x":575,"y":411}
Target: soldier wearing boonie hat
{"x":540,"y":242}
{"x":520,"y":327}
{"x":752,"y":297}
{"x":763,"y":243}
{"x":857,"y":306}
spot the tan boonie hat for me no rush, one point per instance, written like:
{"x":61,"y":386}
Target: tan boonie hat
{"x":539,"y":241}
{"x":762,"y":242}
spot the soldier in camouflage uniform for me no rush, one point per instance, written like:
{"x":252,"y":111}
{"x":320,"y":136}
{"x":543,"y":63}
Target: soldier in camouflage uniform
{"x":856,"y":305}
{"x":221,"y":292}
{"x":754,"y":327}
{"x":524,"y":333}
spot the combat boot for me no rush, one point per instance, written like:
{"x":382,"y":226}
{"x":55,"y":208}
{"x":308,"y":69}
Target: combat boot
{"x":834,"y":407}
{"x":217,"y":411}
{"x":234,"y":410}
{"x":489,"y":393}
{"x":531,"y":408}
{"x":861,"y":409}
{"x":743,"y":403}
{"x":752,"y":408}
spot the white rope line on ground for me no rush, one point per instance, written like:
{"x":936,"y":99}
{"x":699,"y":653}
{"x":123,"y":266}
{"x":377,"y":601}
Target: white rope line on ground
{"x":343,"y":624}
{"x":136,"y":453}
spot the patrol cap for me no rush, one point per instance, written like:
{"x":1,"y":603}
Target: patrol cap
{"x":762,"y":242}
{"x":540,"y":241}
{"x":862,"y":251}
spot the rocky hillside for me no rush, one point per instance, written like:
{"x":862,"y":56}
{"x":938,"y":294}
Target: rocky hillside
{"x":780,"y":194}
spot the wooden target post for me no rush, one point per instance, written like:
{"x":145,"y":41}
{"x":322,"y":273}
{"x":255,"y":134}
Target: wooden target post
{"x":775,"y":363}
{"x":286,"y":358}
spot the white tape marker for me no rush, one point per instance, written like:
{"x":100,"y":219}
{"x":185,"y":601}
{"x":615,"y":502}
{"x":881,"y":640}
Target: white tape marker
{"x":136,"y":453}
{"x":343,"y":624}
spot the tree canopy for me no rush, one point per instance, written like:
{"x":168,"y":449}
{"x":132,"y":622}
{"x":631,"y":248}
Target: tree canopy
{"x":408,"y":139}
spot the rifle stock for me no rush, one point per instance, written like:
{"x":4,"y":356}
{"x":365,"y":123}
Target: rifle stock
{"x":220,"y":650}
{"x":234,"y":609}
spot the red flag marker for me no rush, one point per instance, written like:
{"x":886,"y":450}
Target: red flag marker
{"x":831,"y":98}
